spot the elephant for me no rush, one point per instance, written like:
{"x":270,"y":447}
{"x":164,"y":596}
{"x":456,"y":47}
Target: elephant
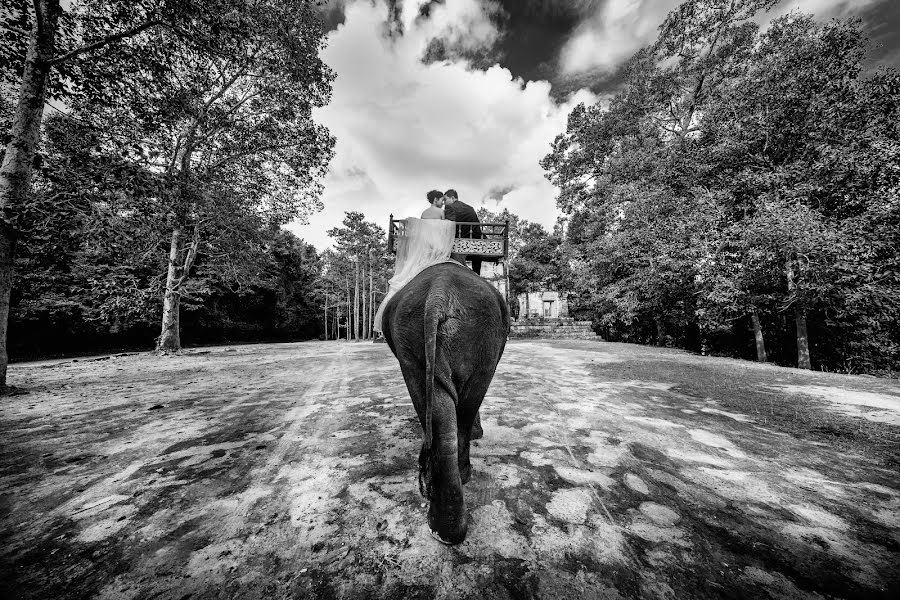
{"x":447,"y":328}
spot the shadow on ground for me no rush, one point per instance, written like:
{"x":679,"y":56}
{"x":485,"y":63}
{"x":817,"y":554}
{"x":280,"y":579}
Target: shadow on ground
{"x":288,"y":471}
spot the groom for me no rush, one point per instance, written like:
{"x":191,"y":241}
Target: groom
{"x":455,"y":210}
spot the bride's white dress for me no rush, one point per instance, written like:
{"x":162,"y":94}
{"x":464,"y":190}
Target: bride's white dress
{"x":426,"y":242}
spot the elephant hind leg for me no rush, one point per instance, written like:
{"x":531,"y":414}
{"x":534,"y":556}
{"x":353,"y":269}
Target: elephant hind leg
{"x":447,"y":515}
{"x":477,"y":431}
{"x":464,"y":464}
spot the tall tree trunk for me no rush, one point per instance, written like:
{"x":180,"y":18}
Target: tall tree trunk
{"x":170,"y":337}
{"x":506,"y":289}
{"x":660,"y":330}
{"x":349,"y":312}
{"x":7,"y":246}
{"x":369,"y":304}
{"x":178,"y":272}
{"x":25,"y":133}
{"x":325,"y":318}
{"x":367,"y":324}
{"x":365,"y":306}
{"x":356,"y":300}
{"x":371,"y":298}
{"x":803,"y":361}
{"x":758,"y":334}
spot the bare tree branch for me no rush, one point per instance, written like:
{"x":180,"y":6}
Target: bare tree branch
{"x":17,"y":30}
{"x":107,"y":40}
{"x":126,"y":34}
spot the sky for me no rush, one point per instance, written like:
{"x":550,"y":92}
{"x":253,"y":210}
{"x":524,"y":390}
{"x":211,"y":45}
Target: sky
{"x":469,"y":94}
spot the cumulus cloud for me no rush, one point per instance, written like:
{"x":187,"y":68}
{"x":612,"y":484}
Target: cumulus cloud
{"x":464,"y":25}
{"x":404,"y":127}
{"x":409,"y":119}
{"x":616,"y":29}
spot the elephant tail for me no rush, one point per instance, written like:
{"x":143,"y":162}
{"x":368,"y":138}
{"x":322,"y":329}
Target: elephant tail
{"x":432,"y":320}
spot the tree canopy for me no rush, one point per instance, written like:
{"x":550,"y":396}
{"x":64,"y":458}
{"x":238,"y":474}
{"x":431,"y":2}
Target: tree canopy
{"x":739,"y":193}
{"x":186,"y":137}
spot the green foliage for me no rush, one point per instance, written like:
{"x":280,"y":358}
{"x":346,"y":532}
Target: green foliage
{"x":539,"y":262}
{"x":535,"y":259}
{"x":355,"y":275}
{"x":85,"y":282}
{"x":217,"y":109}
{"x":740,"y":172}
{"x":184,"y":116}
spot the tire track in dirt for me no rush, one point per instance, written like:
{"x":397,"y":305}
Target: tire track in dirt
{"x":563,"y":437}
{"x":261,"y":477}
{"x":558,"y":379}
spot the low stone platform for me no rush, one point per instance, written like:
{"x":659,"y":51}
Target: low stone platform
{"x":563,"y":328}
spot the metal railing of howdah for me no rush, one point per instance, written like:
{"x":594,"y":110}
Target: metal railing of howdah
{"x":488,"y":241}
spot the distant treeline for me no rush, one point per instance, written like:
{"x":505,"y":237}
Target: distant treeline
{"x":84,"y":288}
{"x":69,"y":301}
{"x":739,"y":195}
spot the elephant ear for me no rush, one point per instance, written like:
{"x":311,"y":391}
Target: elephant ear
{"x":426,"y":470}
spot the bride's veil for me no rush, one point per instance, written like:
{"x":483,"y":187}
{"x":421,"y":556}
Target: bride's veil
{"x":425,"y":242}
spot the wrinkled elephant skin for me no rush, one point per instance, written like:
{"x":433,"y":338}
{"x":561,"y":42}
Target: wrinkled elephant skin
{"x":447,"y":328}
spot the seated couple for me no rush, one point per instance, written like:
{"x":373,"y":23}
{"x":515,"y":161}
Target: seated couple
{"x":448,"y":206}
{"x":429,"y":241}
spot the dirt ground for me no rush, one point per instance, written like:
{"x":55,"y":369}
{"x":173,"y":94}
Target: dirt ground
{"x":288,"y":471}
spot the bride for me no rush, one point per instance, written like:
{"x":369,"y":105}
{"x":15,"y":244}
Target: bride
{"x":436,"y":210}
{"x":424,"y":242}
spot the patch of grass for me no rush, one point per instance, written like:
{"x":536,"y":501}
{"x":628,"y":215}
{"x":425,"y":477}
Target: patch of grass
{"x":747,"y":388}
{"x":806,"y":418}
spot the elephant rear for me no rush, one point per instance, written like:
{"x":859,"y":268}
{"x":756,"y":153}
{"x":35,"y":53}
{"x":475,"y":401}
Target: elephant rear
{"x":448,"y":329}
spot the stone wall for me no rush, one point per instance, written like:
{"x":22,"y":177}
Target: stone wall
{"x":534,"y":303}
{"x":552,"y":328}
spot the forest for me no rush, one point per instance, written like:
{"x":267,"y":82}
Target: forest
{"x":152,"y":152}
{"x":739,"y":195}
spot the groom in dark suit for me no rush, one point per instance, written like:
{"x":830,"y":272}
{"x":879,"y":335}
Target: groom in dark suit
{"x":456,"y":210}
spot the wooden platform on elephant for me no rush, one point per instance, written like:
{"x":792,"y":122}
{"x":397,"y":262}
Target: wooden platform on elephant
{"x":487,"y":241}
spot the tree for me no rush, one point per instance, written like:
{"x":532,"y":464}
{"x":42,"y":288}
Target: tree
{"x":361,"y":262}
{"x":296,"y":272}
{"x":736,"y":179}
{"x":280,"y":303}
{"x":538,"y":261}
{"x":88,"y":271}
{"x":334,"y":277}
{"x":32,"y":48}
{"x":230,"y":134}
{"x":643,"y":135}
{"x":803,"y":141}
{"x":708,"y":40}
{"x":154,"y":50}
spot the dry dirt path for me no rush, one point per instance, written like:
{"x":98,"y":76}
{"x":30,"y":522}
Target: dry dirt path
{"x":288,"y":471}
